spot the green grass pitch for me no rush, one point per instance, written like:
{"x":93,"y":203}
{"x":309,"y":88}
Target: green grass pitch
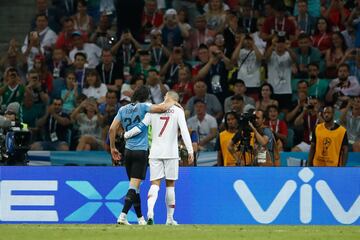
{"x":181,"y":232}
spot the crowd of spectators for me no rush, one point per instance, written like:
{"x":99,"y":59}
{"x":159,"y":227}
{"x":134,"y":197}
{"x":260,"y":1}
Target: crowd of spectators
{"x":82,"y":60}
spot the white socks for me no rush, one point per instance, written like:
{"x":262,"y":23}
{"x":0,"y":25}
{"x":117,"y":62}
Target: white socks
{"x":152,"y":197}
{"x":170,"y":202}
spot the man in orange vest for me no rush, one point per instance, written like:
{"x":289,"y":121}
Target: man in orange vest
{"x":329,"y":143}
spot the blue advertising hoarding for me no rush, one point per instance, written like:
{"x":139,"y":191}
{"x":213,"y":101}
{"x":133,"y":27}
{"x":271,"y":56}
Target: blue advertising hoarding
{"x":204,"y":195}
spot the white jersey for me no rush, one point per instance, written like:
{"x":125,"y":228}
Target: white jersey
{"x":165,"y":133}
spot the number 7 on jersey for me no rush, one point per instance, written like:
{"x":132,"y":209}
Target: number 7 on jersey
{"x":166,"y":119}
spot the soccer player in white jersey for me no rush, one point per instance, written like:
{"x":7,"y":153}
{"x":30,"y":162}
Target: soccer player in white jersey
{"x":164,"y":153}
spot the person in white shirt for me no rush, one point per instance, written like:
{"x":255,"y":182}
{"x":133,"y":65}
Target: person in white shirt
{"x":92,"y":51}
{"x":93,"y":86}
{"x":40,"y":41}
{"x":280,"y":57}
{"x":164,"y":153}
{"x":248,"y":58}
{"x":205,"y":125}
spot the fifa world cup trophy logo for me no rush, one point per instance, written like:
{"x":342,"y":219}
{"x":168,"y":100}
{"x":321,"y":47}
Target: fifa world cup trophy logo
{"x":326,"y":145}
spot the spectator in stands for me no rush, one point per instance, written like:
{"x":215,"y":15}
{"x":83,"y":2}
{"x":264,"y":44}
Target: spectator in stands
{"x":30,"y":114}
{"x":110,"y":71}
{"x":93,"y":86}
{"x":215,"y":73}
{"x":306,"y":54}
{"x":32,"y":49}
{"x":248,"y":60}
{"x":92,"y":51}
{"x":203,"y":57}
{"x":65,"y":40}
{"x":67,"y":7}
{"x":189,"y":6}
{"x":70,"y":93}
{"x":173,"y":33}
{"x":103,"y":36}
{"x":37,"y":90}
{"x":213,"y":105}
{"x":278,"y":25}
{"x":58,"y":64}
{"x":55,"y":129}
{"x":141,"y":63}
{"x":45,"y":76}
{"x":307,"y":120}
{"x":47,"y":37}
{"x":305,"y":21}
{"x":350,"y":119}
{"x":110,"y":107}
{"x":301,"y":86}
{"x":151,"y":18}
{"x":11,"y":89}
{"x":247,"y":22}
{"x":329,"y":144}
{"x":259,"y":42}
{"x":158,"y":52}
{"x":205,"y":125}
{"x":317,"y":87}
{"x":185,"y":86}
{"x":82,"y":21}
{"x":321,"y":38}
{"x":238,"y":89}
{"x":79,"y":68}
{"x":337,"y":15}
{"x":199,"y":36}
{"x":125,"y":49}
{"x":216,"y":16}
{"x":280,"y":59}
{"x":224,"y":157}
{"x":89,"y":122}
{"x":156,"y":87}
{"x":344,"y":85}
{"x":266,"y":97}
{"x":349,"y":35}
{"x":14,"y":58}
{"x":53,"y":15}
{"x":170,"y":71}
{"x":335,"y":54}
{"x":278,"y":127}
{"x":127,"y":89}
{"x":237,"y":105}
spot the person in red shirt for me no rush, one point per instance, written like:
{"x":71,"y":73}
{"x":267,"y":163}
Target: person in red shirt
{"x":64,"y":40}
{"x":278,"y":25}
{"x":322,"y":36}
{"x":337,"y":15}
{"x":151,"y":18}
{"x":184,"y":87}
{"x":277,"y":126}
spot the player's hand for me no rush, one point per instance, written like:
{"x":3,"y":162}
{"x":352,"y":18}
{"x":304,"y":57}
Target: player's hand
{"x":191,"y":158}
{"x":116,"y":155}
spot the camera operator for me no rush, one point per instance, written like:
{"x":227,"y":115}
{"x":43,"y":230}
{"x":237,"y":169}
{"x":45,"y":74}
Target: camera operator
{"x":264,"y":142}
{"x":14,"y":137}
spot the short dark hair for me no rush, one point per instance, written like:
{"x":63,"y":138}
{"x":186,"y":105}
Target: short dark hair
{"x":41,"y":15}
{"x":313,"y":64}
{"x":302,"y":81}
{"x":237,"y":97}
{"x":344,"y":65}
{"x":303,"y":36}
{"x":141,"y":94}
{"x":80,"y":54}
{"x":198,"y":100}
{"x":236,"y":81}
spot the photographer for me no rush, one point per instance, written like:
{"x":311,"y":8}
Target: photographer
{"x":264,"y":142}
{"x":308,"y":119}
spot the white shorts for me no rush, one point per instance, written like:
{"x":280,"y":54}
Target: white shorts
{"x":160,"y":168}
{"x":304,"y":147}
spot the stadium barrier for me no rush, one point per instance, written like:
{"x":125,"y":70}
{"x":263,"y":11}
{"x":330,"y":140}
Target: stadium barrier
{"x":101,"y":158}
{"x":207,"y":195}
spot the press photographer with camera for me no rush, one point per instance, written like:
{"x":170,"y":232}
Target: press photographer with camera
{"x":253,"y":144}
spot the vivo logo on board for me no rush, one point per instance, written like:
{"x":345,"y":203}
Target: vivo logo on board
{"x":306,"y":204}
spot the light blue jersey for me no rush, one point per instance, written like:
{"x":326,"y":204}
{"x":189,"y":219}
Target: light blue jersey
{"x":129,"y":116}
